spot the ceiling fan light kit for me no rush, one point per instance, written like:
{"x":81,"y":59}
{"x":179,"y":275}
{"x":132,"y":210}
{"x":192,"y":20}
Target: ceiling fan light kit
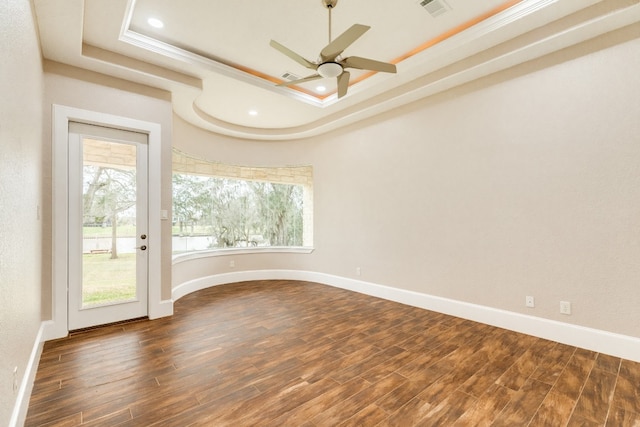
{"x":330,"y":69}
{"x":330,"y":63}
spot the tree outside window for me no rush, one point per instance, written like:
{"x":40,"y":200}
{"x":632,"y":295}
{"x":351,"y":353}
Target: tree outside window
{"x":212,"y":212}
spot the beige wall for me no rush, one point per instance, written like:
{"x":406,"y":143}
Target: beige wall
{"x":20,"y":194}
{"x":94,"y":92}
{"x":523,"y":183}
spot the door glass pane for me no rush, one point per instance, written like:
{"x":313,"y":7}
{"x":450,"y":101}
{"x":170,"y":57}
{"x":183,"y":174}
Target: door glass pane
{"x":109,"y":222}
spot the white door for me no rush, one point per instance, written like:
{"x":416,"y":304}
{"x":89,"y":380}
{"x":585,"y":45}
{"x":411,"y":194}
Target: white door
{"x":108,"y":233}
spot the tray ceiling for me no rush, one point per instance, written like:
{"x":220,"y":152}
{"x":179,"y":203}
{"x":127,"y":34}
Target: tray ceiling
{"x":215,"y":59}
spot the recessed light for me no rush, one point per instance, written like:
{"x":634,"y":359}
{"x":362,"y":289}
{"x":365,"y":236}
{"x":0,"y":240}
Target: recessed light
{"x":321,"y":88}
{"x":253,"y":113}
{"x":155,"y":22}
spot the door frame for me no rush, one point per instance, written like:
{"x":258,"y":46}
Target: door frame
{"x":62,"y":115}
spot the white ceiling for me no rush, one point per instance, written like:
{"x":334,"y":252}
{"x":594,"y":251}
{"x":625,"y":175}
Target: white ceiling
{"x":214,"y":57}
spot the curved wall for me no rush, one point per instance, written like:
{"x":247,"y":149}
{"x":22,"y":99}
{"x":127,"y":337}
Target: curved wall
{"x":522,"y":183}
{"x":192,"y":270}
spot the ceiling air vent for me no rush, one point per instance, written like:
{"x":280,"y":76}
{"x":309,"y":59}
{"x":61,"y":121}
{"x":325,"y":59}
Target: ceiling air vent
{"x":290,"y":76}
{"x":435,"y":7}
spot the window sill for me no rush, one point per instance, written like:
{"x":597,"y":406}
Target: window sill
{"x":188,"y":256}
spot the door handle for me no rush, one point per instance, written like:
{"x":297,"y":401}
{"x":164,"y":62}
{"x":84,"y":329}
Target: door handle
{"x":142,"y":248}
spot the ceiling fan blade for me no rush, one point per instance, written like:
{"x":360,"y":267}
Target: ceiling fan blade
{"x":305,"y":79}
{"x":343,"y":83}
{"x":291,"y":54}
{"x":368,"y":64}
{"x":343,"y":41}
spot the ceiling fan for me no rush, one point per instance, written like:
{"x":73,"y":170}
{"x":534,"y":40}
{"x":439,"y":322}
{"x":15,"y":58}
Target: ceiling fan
{"x":331,"y":63}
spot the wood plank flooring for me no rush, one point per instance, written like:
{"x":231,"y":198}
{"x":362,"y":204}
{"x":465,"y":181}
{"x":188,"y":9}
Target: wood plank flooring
{"x":284,"y":353}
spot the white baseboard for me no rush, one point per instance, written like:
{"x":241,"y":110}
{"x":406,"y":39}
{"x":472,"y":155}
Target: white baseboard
{"x":240,"y":276}
{"x":21,"y":407}
{"x":618,"y":345}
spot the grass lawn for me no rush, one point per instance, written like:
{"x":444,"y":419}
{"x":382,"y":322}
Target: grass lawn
{"x":123,"y":231}
{"x":106,"y":280}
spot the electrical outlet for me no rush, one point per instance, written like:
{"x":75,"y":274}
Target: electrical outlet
{"x":232,"y":263}
{"x":357,"y":271}
{"x":565,"y":307}
{"x":529,"y":301}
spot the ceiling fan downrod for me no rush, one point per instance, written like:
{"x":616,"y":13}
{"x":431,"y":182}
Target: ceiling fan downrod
{"x":329,"y":4}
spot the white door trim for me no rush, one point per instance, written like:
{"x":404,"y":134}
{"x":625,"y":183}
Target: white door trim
{"x":62,"y":115}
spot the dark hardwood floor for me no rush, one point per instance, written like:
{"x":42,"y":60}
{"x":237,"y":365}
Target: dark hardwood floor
{"x":283,"y":353}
